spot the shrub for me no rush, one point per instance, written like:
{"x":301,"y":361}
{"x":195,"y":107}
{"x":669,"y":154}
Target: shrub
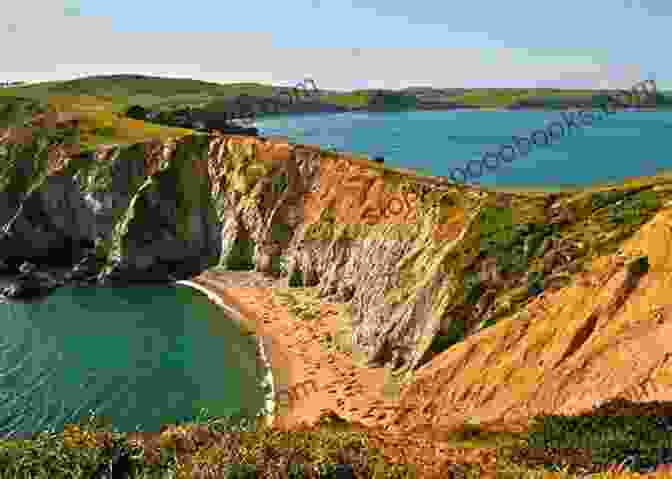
{"x":454,"y":335}
{"x":241,"y":257}
{"x":137,"y":112}
{"x":472,"y":288}
{"x":634,"y":209}
{"x":608,"y":439}
{"x":296,"y":278}
{"x":105,"y":131}
{"x":279,"y":183}
{"x":513,"y":245}
{"x":638,"y":266}
{"x":602,"y":199}
{"x":281,"y":232}
{"x":279,"y":265}
{"x":535,"y":283}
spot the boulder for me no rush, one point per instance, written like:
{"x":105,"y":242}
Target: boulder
{"x":30,"y":286}
{"x":27,"y":267}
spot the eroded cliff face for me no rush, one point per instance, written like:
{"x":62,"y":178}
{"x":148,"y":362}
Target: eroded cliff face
{"x":145,"y":207}
{"x":413,"y":258}
{"x":386,"y":242}
{"x":605,"y":336}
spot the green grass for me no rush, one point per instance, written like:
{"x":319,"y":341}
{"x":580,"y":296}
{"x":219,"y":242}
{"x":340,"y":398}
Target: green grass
{"x":567,"y":446}
{"x":146,"y":91}
{"x":229,"y":445}
{"x":353,"y":99}
{"x":495,"y":98}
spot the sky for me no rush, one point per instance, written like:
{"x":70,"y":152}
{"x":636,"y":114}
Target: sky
{"x":343,"y":44}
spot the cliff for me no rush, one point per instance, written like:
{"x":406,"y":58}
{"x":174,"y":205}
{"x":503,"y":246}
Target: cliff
{"x":145,"y":208}
{"x":419,"y":263}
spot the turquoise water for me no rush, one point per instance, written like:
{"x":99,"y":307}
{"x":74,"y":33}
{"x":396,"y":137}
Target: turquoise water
{"x":141,"y":356}
{"x":624,"y":144}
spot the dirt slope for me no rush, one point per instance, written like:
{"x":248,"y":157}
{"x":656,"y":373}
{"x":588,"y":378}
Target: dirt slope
{"x":606,"y":335}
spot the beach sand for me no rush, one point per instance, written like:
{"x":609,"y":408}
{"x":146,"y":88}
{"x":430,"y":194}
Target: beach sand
{"x":307,"y":378}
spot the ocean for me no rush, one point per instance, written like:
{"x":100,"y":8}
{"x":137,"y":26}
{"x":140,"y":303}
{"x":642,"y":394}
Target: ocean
{"x":623,"y":144}
{"x":141,"y":357}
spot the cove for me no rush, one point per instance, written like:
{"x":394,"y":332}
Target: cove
{"x":140,"y":356}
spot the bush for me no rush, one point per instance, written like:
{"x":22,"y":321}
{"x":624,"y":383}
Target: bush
{"x":455,"y":334}
{"x":608,"y":438}
{"x":137,"y":112}
{"x":472,"y":288}
{"x":296,"y":278}
{"x":241,"y":257}
{"x":279,"y":265}
{"x":281,"y":232}
{"x":279,"y":183}
{"x":638,"y":266}
{"x":634,"y":209}
{"x":535,"y":283}
{"x":106,"y":131}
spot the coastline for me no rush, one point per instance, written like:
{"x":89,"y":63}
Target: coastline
{"x":262,"y":346}
{"x":310,"y":378}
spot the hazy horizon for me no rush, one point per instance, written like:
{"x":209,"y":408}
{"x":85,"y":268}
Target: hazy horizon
{"x":29,"y":82}
{"x":346,"y":45}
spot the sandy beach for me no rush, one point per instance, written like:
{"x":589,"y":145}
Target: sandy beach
{"x":234,"y":314}
{"x":307,"y":378}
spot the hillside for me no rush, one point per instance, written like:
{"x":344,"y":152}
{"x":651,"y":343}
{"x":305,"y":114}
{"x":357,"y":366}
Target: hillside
{"x":116,"y":93}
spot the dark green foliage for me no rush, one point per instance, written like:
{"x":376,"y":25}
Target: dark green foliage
{"x":45,"y":455}
{"x":599,"y":101}
{"x":600,"y":200}
{"x":495,"y":220}
{"x":279,"y":264}
{"x":513,"y":245}
{"x":512,"y":261}
{"x":393,"y":101}
{"x":472,"y":288}
{"x":65,"y":136}
{"x":455,"y":334}
{"x":279,"y":183}
{"x":240,"y":471}
{"x":535,"y":283}
{"x":608,"y":438}
{"x":296,"y":278}
{"x":20,"y":165}
{"x":106,"y":131}
{"x":281,"y":232}
{"x":535,"y":239}
{"x":633,"y":210}
{"x":241,"y":257}
{"x":137,"y":112}
{"x":662,"y":99}
{"x":639,"y":266}
{"x":487,"y":323}
{"x":17,"y":112}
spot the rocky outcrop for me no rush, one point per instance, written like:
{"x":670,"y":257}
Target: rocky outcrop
{"x":398,"y":266}
{"x":146,"y":207}
{"x":30,"y":286}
